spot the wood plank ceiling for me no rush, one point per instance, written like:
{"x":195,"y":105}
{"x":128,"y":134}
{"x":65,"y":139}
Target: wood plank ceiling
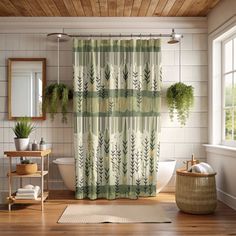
{"x":106,"y":7}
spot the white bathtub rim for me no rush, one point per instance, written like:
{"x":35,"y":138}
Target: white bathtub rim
{"x":64,"y":161}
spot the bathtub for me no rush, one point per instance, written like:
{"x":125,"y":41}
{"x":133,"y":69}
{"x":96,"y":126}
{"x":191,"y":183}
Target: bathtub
{"x":67,"y":170}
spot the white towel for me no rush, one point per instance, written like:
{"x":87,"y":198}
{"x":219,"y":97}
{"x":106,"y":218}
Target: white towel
{"x":27,"y":190}
{"x":201,"y":168}
{"x":26,"y":197}
{"x":24,"y":193}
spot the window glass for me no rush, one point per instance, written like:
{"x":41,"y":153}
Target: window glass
{"x":228,"y":56}
{"x":228,"y":90}
{"x":229,"y":93}
{"x":235,"y":54}
{"x":228,"y":124}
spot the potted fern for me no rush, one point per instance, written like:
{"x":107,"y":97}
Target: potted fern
{"x":22,"y":130}
{"x":56,"y":97}
{"x":180,"y":98}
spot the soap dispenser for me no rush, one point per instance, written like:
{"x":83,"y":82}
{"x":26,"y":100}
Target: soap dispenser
{"x":42,"y":145}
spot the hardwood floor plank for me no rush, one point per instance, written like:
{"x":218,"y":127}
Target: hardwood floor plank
{"x":222,"y":222}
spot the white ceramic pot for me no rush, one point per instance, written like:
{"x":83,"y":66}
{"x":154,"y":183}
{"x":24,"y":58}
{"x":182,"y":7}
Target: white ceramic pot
{"x":22,"y":144}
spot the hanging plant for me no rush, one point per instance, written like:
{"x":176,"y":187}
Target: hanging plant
{"x":56,"y":98}
{"x":180,"y":99}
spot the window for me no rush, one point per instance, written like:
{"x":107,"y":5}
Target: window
{"x":229,"y":89}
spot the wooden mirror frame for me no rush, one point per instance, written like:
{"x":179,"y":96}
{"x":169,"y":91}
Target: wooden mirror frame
{"x":10,"y":60}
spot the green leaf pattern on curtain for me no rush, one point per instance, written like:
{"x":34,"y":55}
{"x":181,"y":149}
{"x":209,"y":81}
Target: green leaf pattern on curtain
{"x":117,"y":85}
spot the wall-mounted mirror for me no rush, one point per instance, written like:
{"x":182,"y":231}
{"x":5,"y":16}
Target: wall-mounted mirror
{"x":26,"y":83}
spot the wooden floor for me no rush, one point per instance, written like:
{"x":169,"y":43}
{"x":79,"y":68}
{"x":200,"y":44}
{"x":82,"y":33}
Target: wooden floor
{"x":29,"y":221}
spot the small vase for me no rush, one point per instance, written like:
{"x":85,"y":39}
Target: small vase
{"x":22,"y":144}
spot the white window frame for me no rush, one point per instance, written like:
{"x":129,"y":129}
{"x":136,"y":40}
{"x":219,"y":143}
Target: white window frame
{"x":223,"y":74}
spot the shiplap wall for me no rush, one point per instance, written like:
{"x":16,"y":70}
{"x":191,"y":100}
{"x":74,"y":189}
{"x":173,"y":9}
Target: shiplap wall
{"x":176,"y":142}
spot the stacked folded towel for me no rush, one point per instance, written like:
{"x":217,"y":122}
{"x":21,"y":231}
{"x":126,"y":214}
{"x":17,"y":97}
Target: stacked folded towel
{"x":28,"y":192}
{"x":201,"y":168}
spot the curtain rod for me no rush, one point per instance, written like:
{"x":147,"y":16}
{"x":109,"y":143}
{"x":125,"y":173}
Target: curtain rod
{"x":119,"y":35}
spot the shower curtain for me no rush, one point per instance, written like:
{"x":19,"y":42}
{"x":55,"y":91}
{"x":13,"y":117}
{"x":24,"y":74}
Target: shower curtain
{"x":116,"y":113}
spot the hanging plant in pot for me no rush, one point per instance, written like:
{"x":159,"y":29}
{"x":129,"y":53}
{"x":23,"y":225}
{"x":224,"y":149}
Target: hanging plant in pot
{"x":56,"y":98}
{"x":180,"y":98}
{"x":57,"y":95}
{"x":23,"y":128}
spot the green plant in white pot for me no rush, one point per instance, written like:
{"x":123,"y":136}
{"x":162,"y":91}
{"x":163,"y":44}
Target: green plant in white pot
{"x":23,"y":128}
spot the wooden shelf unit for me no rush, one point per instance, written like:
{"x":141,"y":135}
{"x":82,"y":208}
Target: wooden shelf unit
{"x":35,"y":175}
{"x":39,"y":174}
{"x":30,"y":201}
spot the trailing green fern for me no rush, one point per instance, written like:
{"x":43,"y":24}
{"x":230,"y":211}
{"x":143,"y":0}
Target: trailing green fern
{"x":180,"y":98}
{"x":56,"y":97}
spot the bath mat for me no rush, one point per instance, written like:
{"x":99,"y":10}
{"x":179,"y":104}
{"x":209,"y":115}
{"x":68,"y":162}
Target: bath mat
{"x":92,"y":214}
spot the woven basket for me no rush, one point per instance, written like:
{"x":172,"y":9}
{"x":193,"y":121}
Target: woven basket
{"x":195,"y":192}
{"x":26,"y":169}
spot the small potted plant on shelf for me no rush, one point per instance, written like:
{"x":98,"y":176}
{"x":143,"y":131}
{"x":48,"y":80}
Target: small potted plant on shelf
{"x":23,"y":128}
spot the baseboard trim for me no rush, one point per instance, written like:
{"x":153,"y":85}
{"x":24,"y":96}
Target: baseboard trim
{"x":226,"y":198}
{"x":168,"y":189}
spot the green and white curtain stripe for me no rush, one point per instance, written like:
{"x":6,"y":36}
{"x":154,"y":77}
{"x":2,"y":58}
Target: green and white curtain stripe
{"x":117,"y":86}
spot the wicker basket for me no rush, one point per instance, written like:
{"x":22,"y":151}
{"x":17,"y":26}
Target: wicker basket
{"x":195,"y":192}
{"x":26,"y":169}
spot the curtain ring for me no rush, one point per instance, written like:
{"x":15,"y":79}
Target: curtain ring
{"x":131,"y":36}
{"x":150,"y":36}
{"x":140,"y":36}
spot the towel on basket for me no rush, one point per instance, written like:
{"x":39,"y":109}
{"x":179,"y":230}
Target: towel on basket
{"x":202,"y":167}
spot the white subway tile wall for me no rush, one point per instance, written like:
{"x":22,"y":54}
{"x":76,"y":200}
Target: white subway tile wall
{"x":176,"y":142}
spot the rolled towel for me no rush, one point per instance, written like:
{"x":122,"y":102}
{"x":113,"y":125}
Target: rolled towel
{"x":207,"y":167}
{"x":201,"y":168}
